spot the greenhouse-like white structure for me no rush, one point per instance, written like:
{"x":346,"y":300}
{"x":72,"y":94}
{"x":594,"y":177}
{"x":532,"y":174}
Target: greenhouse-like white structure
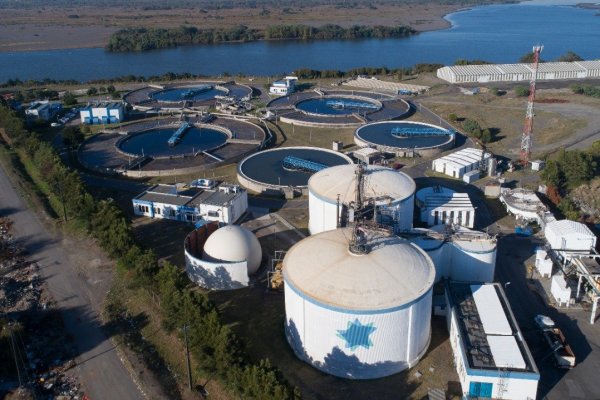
{"x":519,"y":72}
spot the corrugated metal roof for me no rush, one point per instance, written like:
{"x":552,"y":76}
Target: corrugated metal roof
{"x":515,"y":68}
{"x":560,"y":67}
{"x":506,"y":352}
{"x":379,"y":182}
{"x":591,"y":64}
{"x":491,"y":313}
{"x":393,"y":274}
{"x":567,"y":227}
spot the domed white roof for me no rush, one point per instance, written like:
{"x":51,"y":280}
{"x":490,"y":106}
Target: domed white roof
{"x":394,"y":273}
{"x":233,"y":243}
{"x":379,"y":182}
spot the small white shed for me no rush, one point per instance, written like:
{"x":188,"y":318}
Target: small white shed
{"x":543,"y":263}
{"x":560,"y":291}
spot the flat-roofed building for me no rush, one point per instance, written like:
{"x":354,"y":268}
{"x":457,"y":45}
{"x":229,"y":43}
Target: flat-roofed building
{"x":102,"y":113}
{"x":43,"y":109}
{"x":492,"y":359}
{"x":284,"y":86}
{"x":225,"y":203}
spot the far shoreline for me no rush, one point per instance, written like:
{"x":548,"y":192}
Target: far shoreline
{"x":56,"y":35}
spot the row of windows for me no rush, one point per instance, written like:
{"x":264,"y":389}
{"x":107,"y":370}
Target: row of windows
{"x":146,"y":209}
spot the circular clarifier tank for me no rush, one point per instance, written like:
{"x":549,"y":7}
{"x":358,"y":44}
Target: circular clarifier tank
{"x":338,"y":105}
{"x":154,"y":142}
{"x":192,"y":93}
{"x":267,"y":169}
{"x":403,"y":135}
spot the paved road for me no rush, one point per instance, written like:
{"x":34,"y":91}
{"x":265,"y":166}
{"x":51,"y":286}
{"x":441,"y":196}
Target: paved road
{"x":99,"y":368}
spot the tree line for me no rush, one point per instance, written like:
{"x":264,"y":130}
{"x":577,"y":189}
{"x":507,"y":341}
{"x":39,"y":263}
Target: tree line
{"x":307,"y":73}
{"x":215,"y":347}
{"x":567,"y":170}
{"x":144,"y":39}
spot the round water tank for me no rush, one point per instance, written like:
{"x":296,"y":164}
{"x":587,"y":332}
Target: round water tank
{"x":233,"y":243}
{"x":358,"y":316}
{"x":393,"y":190}
{"x":435,"y":249}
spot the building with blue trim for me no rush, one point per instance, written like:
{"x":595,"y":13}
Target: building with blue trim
{"x":194,"y":204}
{"x":492,"y":359}
{"x":102,"y":113}
{"x":44,"y":110}
{"x":284,"y":86}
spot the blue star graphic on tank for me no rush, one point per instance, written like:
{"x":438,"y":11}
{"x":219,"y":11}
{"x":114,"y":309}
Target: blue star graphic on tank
{"x":357,"y":335}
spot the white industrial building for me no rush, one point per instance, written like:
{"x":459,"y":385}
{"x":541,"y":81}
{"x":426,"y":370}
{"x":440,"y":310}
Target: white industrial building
{"x":460,"y":162}
{"x":519,"y":72}
{"x":492,"y":359}
{"x":568,"y":236}
{"x":440,"y":205}
{"x":102,"y":113}
{"x":331,"y":190}
{"x":43,"y":110}
{"x":222,"y":258}
{"x":458,"y":253}
{"x":284,"y":86}
{"x":225,"y":203}
{"x":358,"y":316}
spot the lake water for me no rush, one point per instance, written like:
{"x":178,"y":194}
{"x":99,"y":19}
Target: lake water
{"x":499,"y":33}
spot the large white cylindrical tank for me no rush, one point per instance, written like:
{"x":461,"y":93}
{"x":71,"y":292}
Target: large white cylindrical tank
{"x":358,"y":316}
{"x":394,"y":190}
{"x":473,"y":260}
{"x":436,"y":250}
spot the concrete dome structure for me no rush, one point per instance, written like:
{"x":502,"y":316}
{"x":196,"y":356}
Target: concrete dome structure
{"x":358,"y":316}
{"x":393,"y":190}
{"x":222,"y":258}
{"x":233,"y":243}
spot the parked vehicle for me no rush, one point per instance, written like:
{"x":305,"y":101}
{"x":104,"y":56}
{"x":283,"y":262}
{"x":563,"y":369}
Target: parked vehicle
{"x":563,"y":355}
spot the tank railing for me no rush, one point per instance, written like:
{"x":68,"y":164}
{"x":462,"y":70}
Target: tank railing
{"x":409,"y":132}
{"x":300,"y":164}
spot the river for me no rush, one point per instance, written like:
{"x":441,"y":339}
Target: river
{"x":497,"y":33}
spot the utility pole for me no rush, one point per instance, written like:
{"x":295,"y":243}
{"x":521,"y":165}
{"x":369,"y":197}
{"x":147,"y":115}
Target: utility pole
{"x":187,"y":356}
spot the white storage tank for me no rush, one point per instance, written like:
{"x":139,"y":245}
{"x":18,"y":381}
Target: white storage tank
{"x":222,"y":259}
{"x":394,"y":191}
{"x":435,"y":249}
{"x":358,"y":316}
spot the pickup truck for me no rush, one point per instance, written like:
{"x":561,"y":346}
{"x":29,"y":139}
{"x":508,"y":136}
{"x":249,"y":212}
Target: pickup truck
{"x":563,"y":355}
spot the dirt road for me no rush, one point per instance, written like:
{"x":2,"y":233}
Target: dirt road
{"x":98,"y":366}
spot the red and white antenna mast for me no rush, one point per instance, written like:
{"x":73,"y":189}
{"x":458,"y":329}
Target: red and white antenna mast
{"x":528,"y":129}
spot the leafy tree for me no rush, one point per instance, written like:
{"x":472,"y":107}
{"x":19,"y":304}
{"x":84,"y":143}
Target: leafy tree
{"x":552,"y":174}
{"x":522,"y":91}
{"x":472,"y":127}
{"x":72,"y":136}
{"x":528,"y":58}
{"x":69,"y":99}
{"x":452,"y":117}
{"x":569,"y":56}
{"x":486,"y":136}
{"x":110,"y":89}
{"x":92,"y":91}
{"x":569,"y":209}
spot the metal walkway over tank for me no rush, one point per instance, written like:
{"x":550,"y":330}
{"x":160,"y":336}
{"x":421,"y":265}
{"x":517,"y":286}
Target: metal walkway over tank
{"x":192,"y":92}
{"x":178,"y":135}
{"x":400,"y":132}
{"x":300,"y":164}
{"x":351,"y":104}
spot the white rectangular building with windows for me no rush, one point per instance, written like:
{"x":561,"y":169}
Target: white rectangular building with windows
{"x":440,"y":205}
{"x":460,"y":162}
{"x":102,"y":113}
{"x":491,"y":357}
{"x":284,"y":86}
{"x":224,"y":203}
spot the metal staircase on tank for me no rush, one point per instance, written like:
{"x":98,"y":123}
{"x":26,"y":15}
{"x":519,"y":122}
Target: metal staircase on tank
{"x":300,"y":164}
{"x":401,"y":133}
